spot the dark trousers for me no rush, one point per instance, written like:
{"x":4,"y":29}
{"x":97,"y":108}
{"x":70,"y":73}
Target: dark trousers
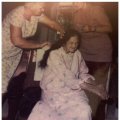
{"x":14,"y":95}
{"x":100,"y":71}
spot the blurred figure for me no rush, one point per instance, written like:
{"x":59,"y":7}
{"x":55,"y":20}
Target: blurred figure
{"x":92,"y":22}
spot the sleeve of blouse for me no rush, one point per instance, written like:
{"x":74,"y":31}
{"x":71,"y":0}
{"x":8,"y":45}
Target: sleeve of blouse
{"x":62,"y":72}
{"x":16,"y":18}
{"x":83,"y":71}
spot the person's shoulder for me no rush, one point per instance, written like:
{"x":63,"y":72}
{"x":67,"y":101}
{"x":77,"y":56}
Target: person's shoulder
{"x":18,"y":10}
{"x":55,"y":52}
{"x":78,"y":52}
{"x":97,"y":7}
{"x":94,"y":6}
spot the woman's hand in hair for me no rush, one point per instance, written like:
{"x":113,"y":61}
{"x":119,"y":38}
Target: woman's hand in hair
{"x":61,"y":33}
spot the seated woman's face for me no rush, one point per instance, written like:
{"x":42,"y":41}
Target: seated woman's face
{"x":72,"y":44}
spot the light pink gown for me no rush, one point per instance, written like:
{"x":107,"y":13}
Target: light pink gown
{"x":62,"y":98}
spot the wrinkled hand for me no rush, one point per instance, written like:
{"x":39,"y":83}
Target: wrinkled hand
{"x":96,"y":89}
{"x":90,"y":81}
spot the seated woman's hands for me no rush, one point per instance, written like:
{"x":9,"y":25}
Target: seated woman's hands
{"x":90,"y":81}
{"x":101,"y":91}
{"x":96,"y":89}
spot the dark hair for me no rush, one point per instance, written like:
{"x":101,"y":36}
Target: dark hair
{"x":68,"y":34}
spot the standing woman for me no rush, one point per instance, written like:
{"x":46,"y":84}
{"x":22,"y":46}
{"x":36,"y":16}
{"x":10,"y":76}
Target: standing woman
{"x":96,"y":45}
{"x":20,"y":24}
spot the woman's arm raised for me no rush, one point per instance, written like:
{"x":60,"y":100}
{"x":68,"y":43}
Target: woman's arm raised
{"x":19,"y":41}
{"x":52,"y":24}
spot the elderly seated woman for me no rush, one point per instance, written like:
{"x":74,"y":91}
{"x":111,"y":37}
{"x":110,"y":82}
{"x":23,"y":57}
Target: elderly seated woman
{"x":65,"y":76}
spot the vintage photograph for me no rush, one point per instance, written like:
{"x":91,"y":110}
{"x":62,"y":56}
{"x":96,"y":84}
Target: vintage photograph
{"x":59,"y":60}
